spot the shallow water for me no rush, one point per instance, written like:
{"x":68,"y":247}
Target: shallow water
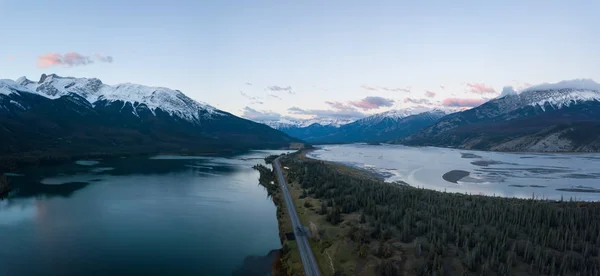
{"x":168,"y":215}
{"x":491,"y":173}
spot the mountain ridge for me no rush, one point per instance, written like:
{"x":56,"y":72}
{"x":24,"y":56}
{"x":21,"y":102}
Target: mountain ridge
{"x":546,"y":118}
{"x":381,"y":127}
{"x":54,"y":119}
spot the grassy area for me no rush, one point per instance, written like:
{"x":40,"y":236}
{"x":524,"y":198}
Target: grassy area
{"x":334,"y":253}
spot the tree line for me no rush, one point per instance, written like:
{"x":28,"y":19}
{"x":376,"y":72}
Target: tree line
{"x":478,"y":235}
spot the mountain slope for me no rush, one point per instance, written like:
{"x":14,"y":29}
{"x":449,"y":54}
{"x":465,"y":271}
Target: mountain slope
{"x":58,"y":118}
{"x":381,"y":127}
{"x":550,"y":117}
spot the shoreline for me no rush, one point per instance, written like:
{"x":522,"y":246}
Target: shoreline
{"x":365,"y":239}
{"x":13,"y":163}
{"x":454,"y":176}
{"x":268,"y":181}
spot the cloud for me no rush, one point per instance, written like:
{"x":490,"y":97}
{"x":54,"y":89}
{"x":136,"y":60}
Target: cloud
{"x":256,"y":115}
{"x":417,"y":101}
{"x":340,"y":106}
{"x":249,"y":83}
{"x":372,"y":102}
{"x":11,"y":58}
{"x":480,"y":88}
{"x":107,"y":59}
{"x":398,"y":89}
{"x":460,"y":102}
{"x":370,"y":88}
{"x":69,"y":59}
{"x":276,"y":88}
{"x":430,"y":94}
{"x":388,"y":89}
{"x":248,"y":96}
{"x":508,"y":90}
{"x":350,"y":113}
{"x":274,"y":96}
{"x":442,"y":87}
{"x":336,"y":105}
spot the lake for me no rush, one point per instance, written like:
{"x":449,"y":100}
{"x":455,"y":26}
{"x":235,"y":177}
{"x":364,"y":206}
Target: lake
{"x":164,"y":215}
{"x":524,"y":175}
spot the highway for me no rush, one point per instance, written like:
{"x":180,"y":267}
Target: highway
{"x":308,"y":259}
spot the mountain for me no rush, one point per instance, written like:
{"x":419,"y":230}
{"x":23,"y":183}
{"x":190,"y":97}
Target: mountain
{"x":381,"y":127}
{"x":290,"y":123}
{"x":63,"y":117}
{"x":560,"y":117}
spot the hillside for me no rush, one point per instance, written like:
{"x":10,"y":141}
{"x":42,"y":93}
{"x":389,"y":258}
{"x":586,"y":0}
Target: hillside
{"x":562,"y":117}
{"x":61,"y":118}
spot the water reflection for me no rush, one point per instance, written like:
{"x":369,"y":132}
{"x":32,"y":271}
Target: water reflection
{"x":37,"y":190}
{"x":143,"y":216}
{"x":12,"y":211}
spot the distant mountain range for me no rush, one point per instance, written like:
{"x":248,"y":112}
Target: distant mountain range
{"x":561,"y":117}
{"x":62,"y":117}
{"x":381,"y":127}
{"x":288,"y":122}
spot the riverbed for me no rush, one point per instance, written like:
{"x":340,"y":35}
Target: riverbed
{"x":523,"y":175}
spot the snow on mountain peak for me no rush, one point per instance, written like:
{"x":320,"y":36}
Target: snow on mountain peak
{"x":288,"y":122}
{"x":579,"y":84}
{"x":557,"y":95}
{"x":94,"y":91}
{"x":8,"y":87}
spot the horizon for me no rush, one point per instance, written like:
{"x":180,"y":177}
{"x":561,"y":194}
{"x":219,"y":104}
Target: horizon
{"x":327,"y":60}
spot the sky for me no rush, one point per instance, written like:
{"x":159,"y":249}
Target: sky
{"x":325,"y":59}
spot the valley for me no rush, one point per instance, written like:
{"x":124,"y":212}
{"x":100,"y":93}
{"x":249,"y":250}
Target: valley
{"x":299,"y":138}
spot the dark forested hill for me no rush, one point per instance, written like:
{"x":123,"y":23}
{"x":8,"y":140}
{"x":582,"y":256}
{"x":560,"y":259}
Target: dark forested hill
{"x":65,"y":117}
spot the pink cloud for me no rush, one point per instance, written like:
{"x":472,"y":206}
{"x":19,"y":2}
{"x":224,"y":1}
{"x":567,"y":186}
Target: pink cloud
{"x":369,"y":103}
{"x":69,"y":59}
{"x":480,"y":88}
{"x":459,"y":102}
{"x":11,"y":58}
{"x":49,"y":59}
{"x":430,"y":94}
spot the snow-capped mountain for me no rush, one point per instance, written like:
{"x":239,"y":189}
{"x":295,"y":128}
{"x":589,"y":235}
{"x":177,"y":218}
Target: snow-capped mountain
{"x":396,"y":115}
{"x":62,"y":118}
{"x":95,"y":92}
{"x":541,"y":118}
{"x":382,"y":127}
{"x":288,"y":122}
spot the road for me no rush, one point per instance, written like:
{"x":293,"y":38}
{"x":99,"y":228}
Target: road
{"x":308,"y":259}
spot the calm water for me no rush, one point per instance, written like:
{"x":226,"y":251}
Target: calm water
{"x":491,"y":173}
{"x":165,"y":215}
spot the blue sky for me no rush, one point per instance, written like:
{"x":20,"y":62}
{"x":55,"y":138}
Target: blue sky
{"x":265,"y":59}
